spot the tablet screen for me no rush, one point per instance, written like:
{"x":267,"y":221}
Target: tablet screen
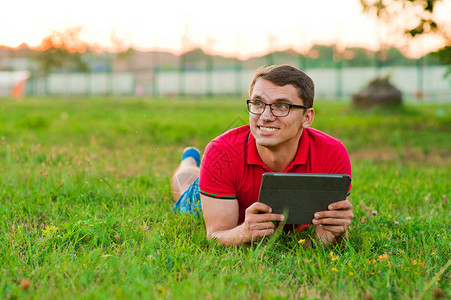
{"x":299,"y":196}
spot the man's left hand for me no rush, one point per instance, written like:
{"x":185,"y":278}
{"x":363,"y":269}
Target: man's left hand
{"x":334,"y":223}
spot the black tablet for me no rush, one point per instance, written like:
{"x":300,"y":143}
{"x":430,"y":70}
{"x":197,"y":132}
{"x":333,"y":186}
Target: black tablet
{"x":299,"y":196}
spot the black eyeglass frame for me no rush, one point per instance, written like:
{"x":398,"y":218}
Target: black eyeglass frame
{"x":270,"y":107}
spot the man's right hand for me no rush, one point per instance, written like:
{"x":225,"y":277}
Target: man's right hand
{"x":221,"y":221}
{"x":259,"y":222}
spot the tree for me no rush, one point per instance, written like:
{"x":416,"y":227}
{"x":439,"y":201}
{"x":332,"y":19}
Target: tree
{"x":358,"y":57}
{"x":321,"y":56}
{"x":63,"y":51}
{"x":194,"y":58}
{"x":394,"y":57}
{"x":414,"y":18}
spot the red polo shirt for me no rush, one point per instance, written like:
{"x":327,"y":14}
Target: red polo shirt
{"x":231,"y":167}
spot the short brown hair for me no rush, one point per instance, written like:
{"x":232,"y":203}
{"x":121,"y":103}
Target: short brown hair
{"x":285,"y":74}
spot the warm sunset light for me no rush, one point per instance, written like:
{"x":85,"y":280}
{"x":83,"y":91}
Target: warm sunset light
{"x":234,"y":28}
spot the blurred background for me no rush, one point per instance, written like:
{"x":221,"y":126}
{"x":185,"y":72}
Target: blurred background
{"x":207,"y":48}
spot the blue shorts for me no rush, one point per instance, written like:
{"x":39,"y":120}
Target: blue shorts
{"x":189,"y":202}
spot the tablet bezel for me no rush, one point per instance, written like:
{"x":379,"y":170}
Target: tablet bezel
{"x":299,"y":195}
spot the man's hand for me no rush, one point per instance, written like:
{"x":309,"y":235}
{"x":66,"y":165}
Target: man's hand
{"x":259,"y":222}
{"x":221,"y":221}
{"x":333,"y":224}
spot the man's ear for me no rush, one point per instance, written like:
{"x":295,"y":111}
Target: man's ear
{"x":309,"y":115}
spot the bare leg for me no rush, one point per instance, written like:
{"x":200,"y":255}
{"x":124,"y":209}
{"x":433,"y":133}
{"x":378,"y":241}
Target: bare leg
{"x":186,"y":173}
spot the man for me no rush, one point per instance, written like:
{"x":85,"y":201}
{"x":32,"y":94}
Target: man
{"x":277,"y":139}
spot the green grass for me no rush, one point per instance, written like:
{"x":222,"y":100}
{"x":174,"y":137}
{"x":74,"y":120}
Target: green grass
{"x":86,"y":205}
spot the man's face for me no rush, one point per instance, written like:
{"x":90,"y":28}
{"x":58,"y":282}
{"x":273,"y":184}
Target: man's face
{"x":274,"y":132}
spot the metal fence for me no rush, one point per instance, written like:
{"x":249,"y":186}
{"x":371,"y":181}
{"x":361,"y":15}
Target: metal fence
{"x":426,"y":82}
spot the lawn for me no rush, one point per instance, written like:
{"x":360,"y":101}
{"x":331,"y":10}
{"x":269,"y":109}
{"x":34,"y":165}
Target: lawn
{"x":86,"y":205}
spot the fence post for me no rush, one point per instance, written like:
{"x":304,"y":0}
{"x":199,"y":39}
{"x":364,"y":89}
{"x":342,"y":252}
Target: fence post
{"x":182,"y":75}
{"x":238,"y":76}
{"x":110,"y":73}
{"x":155,"y":80}
{"x":419,"y":94}
{"x":209,"y":67}
{"x":339,"y":78}
{"x":302,"y":61}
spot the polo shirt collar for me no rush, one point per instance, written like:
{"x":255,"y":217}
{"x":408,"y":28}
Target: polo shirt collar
{"x":253,"y":158}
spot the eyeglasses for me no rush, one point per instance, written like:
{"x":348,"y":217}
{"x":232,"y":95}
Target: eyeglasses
{"x":278,"y":109}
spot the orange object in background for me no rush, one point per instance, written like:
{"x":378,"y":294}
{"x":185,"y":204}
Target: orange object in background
{"x":17,"y":92}
{"x":12,"y":83}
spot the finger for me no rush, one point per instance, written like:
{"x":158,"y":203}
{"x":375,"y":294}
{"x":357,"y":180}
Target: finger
{"x":343,"y":205}
{"x":261,"y":218}
{"x":336,"y":214}
{"x":332,"y":221}
{"x":261,"y":226}
{"x":274,"y":217}
{"x":258,"y":207}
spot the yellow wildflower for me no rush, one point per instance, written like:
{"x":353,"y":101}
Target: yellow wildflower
{"x":301,"y":241}
{"x":332,"y":256}
{"x":383,"y":257}
{"x":335,"y":270}
{"x":49,"y":230}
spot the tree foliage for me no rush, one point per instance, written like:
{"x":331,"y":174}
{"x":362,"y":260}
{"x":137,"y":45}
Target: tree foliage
{"x":62,"y":51}
{"x":414,"y":18}
{"x":419,"y":12}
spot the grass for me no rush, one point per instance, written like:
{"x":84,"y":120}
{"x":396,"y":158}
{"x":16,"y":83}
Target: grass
{"x":86,"y":206}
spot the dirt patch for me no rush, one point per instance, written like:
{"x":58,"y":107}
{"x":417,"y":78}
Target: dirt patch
{"x":408,"y":155}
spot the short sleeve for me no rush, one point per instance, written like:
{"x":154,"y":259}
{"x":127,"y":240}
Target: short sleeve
{"x":339,"y":162}
{"x":216,"y":176}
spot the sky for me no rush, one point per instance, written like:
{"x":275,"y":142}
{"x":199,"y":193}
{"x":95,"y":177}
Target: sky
{"x":240,"y":28}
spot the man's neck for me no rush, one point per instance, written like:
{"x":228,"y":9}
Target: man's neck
{"x":278,"y":158}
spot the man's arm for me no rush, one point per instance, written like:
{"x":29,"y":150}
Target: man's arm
{"x":221,"y":221}
{"x":332,"y":225}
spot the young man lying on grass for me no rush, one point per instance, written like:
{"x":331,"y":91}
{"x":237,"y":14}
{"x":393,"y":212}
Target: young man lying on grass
{"x":277,"y":139}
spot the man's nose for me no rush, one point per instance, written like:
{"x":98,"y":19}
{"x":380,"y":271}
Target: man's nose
{"x":267,"y":113}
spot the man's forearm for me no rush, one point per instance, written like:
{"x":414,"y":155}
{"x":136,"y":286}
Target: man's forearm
{"x":229,"y":237}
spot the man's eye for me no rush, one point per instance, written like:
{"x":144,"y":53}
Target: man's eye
{"x":258,"y":103}
{"x":281,"y":106}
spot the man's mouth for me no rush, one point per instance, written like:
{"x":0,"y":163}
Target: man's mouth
{"x":267,"y":129}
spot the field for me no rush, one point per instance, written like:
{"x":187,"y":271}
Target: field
{"x":86,"y":205}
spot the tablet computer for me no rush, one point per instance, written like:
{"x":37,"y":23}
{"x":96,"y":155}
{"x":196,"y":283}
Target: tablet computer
{"x":299,"y":196}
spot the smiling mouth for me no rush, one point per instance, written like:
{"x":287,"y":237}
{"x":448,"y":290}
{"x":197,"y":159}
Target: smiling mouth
{"x":267,"y":129}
